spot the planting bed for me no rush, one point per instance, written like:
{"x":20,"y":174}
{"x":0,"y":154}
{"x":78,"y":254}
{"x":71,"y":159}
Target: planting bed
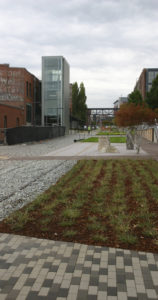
{"x":109,"y":203}
{"x":113,"y":139}
{"x":110,"y":133}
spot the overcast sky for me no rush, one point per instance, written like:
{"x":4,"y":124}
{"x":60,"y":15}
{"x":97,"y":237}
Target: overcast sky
{"x":107,"y":43}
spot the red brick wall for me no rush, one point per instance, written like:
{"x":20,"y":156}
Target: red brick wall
{"x":140,"y":85}
{"x":13,"y":87}
{"x":12,"y":114}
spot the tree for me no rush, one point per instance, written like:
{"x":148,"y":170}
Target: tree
{"x":75,"y":93}
{"x":135,"y":97}
{"x":131,"y":116}
{"x":82,"y":102}
{"x":79,"y":107}
{"x":152,"y":95}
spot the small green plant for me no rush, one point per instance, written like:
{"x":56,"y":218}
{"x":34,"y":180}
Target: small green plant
{"x":70,"y":213}
{"x":48,"y":210}
{"x":99,"y":238}
{"x":67,"y":222}
{"x":39,"y":201}
{"x":45,"y":221}
{"x":70,"y":233}
{"x":18,"y":220}
{"x":151,"y":233}
{"x":128,"y":238}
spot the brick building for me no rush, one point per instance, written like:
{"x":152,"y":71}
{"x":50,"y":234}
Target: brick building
{"x":10,"y":116}
{"x":21,"y":91}
{"x":144,"y":82}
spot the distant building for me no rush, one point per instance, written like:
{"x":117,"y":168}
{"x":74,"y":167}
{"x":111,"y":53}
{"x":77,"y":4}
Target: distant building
{"x":145,"y":80}
{"x":55,"y":91}
{"x":120,"y":101}
{"x":19,"y":88}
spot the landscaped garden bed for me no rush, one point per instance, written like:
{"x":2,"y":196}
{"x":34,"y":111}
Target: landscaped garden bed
{"x":113,"y":139}
{"x":101,"y":202}
{"x":110,"y":133}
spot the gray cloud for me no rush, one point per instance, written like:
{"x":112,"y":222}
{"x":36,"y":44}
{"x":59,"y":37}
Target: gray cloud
{"x":107,"y":43}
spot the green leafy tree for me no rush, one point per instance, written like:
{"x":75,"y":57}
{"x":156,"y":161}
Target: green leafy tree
{"x":75,"y":104}
{"x":152,"y":95}
{"x":135,"y":97}
{"x":82,"y":102}
{"x":79,"y":107}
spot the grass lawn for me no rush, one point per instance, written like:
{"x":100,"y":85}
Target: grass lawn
{"x":101,"y":202}
{"x":111,"y":133}
{"x":113,"y":139}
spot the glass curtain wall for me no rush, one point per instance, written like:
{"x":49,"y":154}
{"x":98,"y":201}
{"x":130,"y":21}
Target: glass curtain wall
{"x":52,"y":90}
{"x":151,"y":75}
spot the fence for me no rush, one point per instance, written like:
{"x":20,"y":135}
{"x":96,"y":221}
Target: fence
{"x":151,"y":134}
{"x":30,"y":133}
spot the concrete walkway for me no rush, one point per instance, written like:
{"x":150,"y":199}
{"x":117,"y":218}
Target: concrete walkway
{"x":33,"y":269}
{"x":87,"y":150}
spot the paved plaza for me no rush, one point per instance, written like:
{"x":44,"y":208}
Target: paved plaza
{"x":32,"y":268}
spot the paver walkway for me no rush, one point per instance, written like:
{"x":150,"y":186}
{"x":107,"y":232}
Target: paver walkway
{"x":42,"y":269}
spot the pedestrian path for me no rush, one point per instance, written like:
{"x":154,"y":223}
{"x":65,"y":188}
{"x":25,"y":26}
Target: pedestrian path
{"x":150,"y":148}
{"x":32,"y":268}
{"x":91,"y":150}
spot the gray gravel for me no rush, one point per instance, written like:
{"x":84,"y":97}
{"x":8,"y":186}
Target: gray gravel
{"x":21,"y":181}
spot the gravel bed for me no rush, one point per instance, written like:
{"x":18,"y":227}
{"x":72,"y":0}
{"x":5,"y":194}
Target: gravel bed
{"x":21,"y":181}
{"x":37,"y":148}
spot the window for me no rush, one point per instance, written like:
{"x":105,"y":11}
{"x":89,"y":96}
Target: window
{"x":30,"y":89}
{"x":17,"y":122}
{"x":5,"y":121}
{"x":28,"y":113}
{"x":27,"y":88}
{"x":151,"y":76}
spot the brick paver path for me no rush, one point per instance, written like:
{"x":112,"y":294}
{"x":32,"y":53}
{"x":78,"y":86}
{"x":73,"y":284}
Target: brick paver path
{"x":33,"y":269}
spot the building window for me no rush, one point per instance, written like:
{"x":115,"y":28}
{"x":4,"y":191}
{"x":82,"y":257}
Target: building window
{"x":28,"y":113}
{"x":27,"y":88}
{"x":30,"y":89}
{"x":17,"y":122}
{"x":5,"y":121}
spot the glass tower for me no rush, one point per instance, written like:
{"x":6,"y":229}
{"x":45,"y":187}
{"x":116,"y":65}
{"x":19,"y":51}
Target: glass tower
{"x":55,"y":91}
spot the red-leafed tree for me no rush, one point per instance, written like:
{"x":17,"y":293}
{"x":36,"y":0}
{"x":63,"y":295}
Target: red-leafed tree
{"x":131,"y":116}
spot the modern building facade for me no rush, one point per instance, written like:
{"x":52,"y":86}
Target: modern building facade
{"x":120,"y":101}
{"x":19,"y":88}
{"x":55,"y":91}
{"x":145,"y":80}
